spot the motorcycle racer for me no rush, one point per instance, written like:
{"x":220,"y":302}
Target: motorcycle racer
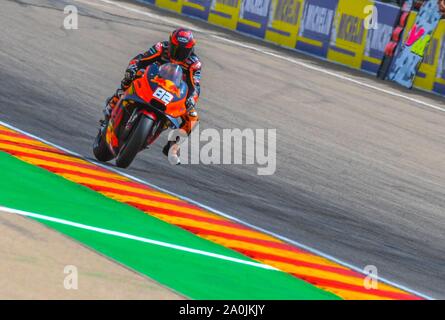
{"x":179,"y":49}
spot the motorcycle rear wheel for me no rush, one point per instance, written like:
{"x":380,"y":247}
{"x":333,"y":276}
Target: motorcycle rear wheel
{"x":100,"y":148}
{"x":135,"y":142}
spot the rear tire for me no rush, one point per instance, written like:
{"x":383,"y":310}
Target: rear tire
{"x":134,"y":143}
{"x":100,"y":148}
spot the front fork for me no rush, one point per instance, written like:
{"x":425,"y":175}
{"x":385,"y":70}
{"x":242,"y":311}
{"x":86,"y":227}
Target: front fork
{"x":132,"y":121}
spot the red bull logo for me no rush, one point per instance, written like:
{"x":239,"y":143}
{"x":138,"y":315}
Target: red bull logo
{"x":167,"y":85}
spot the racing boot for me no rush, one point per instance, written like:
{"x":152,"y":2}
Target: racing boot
{"x":110,"y":105}
{"x":171,"y":151}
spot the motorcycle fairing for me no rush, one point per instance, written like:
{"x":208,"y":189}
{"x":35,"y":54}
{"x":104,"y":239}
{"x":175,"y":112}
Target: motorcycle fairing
{"x":139,"y":98}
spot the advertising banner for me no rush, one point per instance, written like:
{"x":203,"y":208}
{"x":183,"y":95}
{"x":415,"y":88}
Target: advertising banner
{"x":407,"y":61}
{"x":196,"y":8}
{"x":284,"y":19}
{"x":253,"y":17}
{"x":349,"y":32}
{"x":225,"y":13}
{"x":426,"y":73}
{"x":315,"y":27}
{"x":378,"y":37}
{"x":173,"y":5}
{"x":439,"y":81}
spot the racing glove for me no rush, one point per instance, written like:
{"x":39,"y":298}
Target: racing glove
{"x":190,"y":103}
{"x":129,"y":76}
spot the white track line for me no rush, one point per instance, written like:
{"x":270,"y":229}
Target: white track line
{"x":333,"y":74}
{"x":275,"y":55}
{"x":220,"y":213}
{"x":136,"y":238}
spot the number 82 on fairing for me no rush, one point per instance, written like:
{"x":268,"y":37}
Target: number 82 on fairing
{"x":163,"y":95}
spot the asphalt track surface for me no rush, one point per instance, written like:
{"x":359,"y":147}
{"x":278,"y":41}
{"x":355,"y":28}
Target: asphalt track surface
{"x":360,"y":173}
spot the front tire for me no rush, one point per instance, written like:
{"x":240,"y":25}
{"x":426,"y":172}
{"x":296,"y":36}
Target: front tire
{"x":134,"y":143}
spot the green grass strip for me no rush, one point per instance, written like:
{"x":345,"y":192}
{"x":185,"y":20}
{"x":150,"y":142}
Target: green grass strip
{"x":30,"y":188}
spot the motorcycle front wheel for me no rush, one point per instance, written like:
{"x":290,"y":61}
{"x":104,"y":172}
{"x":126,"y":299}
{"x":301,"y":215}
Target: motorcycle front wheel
{"x":135,"y":142}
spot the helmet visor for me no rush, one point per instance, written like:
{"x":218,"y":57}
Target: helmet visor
{"x":179,"y":53}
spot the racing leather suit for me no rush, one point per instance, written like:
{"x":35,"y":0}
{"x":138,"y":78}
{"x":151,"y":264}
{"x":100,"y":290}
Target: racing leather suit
{"x":192,"y":72}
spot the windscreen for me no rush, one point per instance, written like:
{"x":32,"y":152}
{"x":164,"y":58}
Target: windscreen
{"x":172,"y":72}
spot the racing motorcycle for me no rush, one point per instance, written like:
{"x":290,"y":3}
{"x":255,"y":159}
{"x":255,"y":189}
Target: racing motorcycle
{"x":154,"y":102}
